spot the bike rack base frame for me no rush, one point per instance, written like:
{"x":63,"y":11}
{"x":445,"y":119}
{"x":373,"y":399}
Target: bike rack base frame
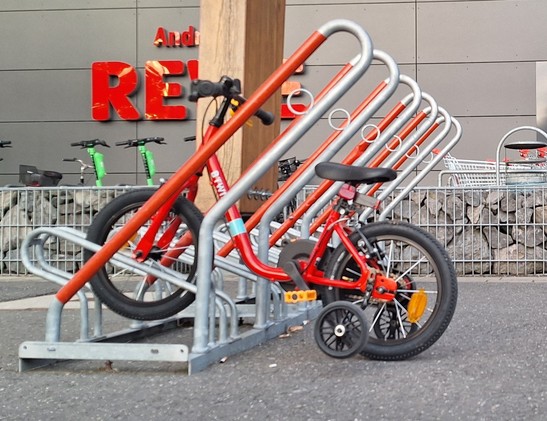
{"x":120,"y":345}
{"x":40,"y":354}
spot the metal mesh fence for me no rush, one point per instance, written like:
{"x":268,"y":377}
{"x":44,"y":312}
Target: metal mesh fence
{"x":24,"y":209}
{"x":492,"y":231}
{"x":486,"y":231}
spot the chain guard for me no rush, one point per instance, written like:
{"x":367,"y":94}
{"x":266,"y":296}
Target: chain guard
{"x":295,"y":250}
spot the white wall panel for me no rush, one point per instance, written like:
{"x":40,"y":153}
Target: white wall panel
{"x":45,"y":144}
{"x":66,"y":39}
{"x":46,"y":95}
{"x":65,"y":95}
{"x":326,"y":2}
{"x":35,"y":5}
{"x":391,"y":27}
{"x":315,"y":78}
{"x":481,"y":135}
{"x":482,"y":31}
{"x":167,"y":3}
{"x":477,"y":58}
{"x":541,"y":94}
{"x":481,"y":89}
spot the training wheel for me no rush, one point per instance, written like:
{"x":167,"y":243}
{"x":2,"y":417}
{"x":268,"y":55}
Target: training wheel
{"x":341,"y":330}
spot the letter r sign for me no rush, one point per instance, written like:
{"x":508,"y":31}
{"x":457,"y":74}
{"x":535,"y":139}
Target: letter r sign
{"x":105,"y":93}
{"x":114,"y":82}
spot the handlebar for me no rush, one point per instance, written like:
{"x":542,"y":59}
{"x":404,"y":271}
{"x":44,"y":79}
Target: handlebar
{"x":286,"y":167}
{"x":133,"y":143}
{"x":90,"y":143}
{"x":82,"y":163}
{"x":5,"y":143}
{"x":228,"y":88}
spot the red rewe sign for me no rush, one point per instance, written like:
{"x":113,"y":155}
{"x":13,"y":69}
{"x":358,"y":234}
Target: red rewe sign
{"x":114,"y":82}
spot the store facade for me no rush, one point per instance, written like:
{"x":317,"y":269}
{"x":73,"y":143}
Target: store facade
{"x":62,"y":59}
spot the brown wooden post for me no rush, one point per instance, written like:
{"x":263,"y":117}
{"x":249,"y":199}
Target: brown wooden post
{"x":242,"y":39}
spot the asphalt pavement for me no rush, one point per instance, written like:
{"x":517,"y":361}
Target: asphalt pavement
{"x":490,"y":364}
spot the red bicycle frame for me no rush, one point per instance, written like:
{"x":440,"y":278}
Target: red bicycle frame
{"x":336,"y":223}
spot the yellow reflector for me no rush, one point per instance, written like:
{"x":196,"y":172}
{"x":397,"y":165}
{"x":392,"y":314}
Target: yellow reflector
{"x":231,"y":111}
{"x":416,"y":306}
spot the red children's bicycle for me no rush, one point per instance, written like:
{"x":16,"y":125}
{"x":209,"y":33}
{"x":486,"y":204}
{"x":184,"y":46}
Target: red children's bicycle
{"x":389,"y":288}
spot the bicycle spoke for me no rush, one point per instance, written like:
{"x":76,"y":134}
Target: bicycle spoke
{"x":390,"y":257}
{"x":381,"y":309}
{"x":398,"y":306}
{"x":409,"y":270}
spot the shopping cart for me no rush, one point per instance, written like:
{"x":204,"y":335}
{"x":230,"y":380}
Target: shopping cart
{"x":475,"y":173}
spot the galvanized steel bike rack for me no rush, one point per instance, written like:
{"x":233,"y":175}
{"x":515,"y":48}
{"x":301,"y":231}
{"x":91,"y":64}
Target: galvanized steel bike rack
{"x":449,"y":123}
{"x":212,"y":304}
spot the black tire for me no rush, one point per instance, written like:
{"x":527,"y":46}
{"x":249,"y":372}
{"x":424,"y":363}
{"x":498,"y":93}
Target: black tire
{"x":117,"y":288}
{"x":341,"y":330}
{"x":416,"y":260}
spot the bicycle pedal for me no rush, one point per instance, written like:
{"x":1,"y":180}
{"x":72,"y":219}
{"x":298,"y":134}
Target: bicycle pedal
{"x":292,"y":297}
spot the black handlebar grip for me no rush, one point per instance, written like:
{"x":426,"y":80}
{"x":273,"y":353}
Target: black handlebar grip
{"x":205,"y":88}
{"x":266,"y":117}
{"x":196,"y":90}
{"x":90,"y":143}
{"x":123,"y":143}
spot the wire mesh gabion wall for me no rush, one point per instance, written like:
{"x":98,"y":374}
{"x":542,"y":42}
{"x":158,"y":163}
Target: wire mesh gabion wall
{"x":487,"y":231}
{"x":24,"y":209}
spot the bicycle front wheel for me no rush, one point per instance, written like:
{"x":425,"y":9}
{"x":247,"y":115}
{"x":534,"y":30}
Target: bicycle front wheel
{"x":131,"y":295}
{"x":426,"y":295}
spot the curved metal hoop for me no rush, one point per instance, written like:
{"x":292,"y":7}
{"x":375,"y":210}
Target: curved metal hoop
{"x":289,"y":100}
{"x":430,"y":158}
{"x":346,"y":113}
{"x":374,"y":126}
{"x":396,"y":148}
{"x":414,"y":155}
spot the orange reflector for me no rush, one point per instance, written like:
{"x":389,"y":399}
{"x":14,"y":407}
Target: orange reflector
{"x":129,"y":242}
{"x":416,"y":306}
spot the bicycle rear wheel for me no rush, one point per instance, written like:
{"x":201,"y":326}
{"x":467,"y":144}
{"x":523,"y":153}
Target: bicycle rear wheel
{"x":126,"y":293}
{"x":426,"y":295}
